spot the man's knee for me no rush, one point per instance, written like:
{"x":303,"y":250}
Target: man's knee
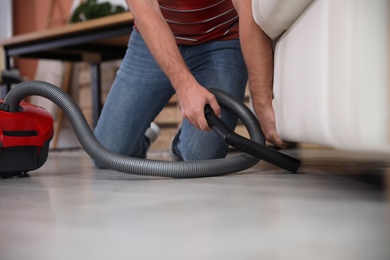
{"x":202,"y":148}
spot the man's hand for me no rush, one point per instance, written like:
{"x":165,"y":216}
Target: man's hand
{"x":266,"y":117}
{"x":192,"y":99}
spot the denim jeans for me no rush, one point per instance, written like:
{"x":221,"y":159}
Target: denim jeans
{"x":141,"y":90}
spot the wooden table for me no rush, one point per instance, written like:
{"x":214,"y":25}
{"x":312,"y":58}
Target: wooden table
{"x":92,"y":41}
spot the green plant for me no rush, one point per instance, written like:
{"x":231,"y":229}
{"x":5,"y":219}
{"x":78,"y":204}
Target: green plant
{"x":92,"y":10}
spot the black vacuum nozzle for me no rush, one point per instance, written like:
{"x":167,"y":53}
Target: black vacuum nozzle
{"x":248,"y":146}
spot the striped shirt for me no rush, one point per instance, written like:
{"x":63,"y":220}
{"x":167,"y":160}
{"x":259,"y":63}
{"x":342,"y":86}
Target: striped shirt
{"x":197,"y":21}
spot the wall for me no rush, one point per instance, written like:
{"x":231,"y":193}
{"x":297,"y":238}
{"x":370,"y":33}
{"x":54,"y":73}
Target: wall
{"x":31,"y":16}
{"x":6,"y":18}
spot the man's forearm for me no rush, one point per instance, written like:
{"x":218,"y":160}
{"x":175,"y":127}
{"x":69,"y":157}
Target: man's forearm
{"x":257,"y":50}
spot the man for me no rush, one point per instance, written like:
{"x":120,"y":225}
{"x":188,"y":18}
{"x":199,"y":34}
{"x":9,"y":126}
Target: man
{"x":183,"y":47}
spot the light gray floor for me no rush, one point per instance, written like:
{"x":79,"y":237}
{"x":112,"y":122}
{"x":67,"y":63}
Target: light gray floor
{"x":335,"y":209}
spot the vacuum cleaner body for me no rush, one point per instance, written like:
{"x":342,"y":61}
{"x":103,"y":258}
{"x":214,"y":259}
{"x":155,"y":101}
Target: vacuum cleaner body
{"x":24,"y":138}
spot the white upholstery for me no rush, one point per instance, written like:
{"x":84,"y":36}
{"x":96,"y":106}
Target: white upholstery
{"x":276,"y":16}
{"x":331,"y":80}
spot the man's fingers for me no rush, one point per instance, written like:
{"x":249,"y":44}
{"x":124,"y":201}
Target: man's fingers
{"x":193,"y":109}
{"x":203,"y":124}
{"x":212,"y":101}
{"x":215,"y":106}
{"x":197,"y":119}
{"x":275,"y":140}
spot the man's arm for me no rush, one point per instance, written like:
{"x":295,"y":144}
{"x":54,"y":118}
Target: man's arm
{"x":158,"y":37}
{"x":257,"y":50}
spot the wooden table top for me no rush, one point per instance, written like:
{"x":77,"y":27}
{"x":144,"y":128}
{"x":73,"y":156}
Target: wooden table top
{"x":71,"y":29}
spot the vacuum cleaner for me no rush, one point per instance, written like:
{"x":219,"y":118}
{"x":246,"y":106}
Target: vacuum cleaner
{"x":26,"y":131}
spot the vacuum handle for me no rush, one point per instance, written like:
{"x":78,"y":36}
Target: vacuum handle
{"x":248,"y":146}
{"x":9,"y":140}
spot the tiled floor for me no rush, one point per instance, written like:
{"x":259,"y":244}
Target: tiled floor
{"x":335,"y":209}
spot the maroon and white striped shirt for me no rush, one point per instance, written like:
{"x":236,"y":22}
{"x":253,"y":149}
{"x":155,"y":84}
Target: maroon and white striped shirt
{"x":197,"y":21}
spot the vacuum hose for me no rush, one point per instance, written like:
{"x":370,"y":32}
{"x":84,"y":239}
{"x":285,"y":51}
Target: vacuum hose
{"x":146,"y":167}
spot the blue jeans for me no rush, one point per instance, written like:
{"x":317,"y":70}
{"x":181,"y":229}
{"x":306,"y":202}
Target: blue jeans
{"x":141,"y":90}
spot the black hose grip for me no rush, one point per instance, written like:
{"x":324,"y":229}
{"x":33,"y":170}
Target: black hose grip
{"x":215,"y":123}
{"x":248,"y":146}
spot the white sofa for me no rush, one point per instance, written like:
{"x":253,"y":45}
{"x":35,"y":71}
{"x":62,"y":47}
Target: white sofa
{"x":332,"y":71}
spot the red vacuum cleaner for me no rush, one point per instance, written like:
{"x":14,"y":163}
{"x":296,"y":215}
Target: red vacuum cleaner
{"x":24,"y":139}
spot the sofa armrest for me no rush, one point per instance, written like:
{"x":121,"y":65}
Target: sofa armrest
{"x":276,"y":16}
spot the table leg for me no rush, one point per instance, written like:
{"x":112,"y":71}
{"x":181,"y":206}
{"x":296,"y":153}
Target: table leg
{"x":387,"y":184}
{"x":96,"y":92}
